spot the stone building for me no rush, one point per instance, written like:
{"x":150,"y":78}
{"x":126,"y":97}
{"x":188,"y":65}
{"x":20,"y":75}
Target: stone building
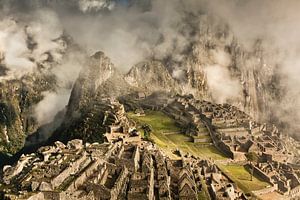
{"x":281,"y":175}
{"x":106,"y":171}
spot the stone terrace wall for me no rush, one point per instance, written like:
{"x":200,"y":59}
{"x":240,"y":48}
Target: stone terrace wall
{"x":261,"y":174}
{"x":73,"y":168}
{"x":266,"y":190}
{"x":295,"y":192}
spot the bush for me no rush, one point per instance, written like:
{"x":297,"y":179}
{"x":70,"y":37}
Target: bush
{"x":7,"y":114}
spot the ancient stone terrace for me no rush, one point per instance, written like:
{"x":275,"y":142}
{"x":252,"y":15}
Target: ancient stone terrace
{"x":267,"y":144}
{"x":110,"y":171}
{"x":121,"y":129}
{"x":121,"y":123}
{"x":188,"y":117}
{"x":136,"y":169}
{"x":222,"y":115}
{"x":219,"y":185}
{"x":232,"y":131}
{"x":141,"y":185}
{"x":229,"y":129}
{"x":104,"y":115}
{"x":282,"y":176}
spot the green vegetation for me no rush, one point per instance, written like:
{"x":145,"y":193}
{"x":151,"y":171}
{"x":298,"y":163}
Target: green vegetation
{"x":167,"y":136}
{"x":147,"y":131}
{"x":242,"y":178}
{"x":203,"y":194}
{"x":7,"y":114}
{"x":252,"y":157}
{"x":10,"y":128}
{"x":158,"y":121}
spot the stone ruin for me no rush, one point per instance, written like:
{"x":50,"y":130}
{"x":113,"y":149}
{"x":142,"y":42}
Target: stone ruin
{"x":113,"y":171}
{"x":129,"y":168}
{"x":235,"y":134}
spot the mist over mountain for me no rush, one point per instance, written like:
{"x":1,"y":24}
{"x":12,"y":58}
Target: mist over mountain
{"x":239,"y":52}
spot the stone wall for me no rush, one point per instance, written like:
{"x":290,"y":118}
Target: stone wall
{"x":295,"y":192}
{"x":266,"y":190}
{"x":255,"y":131}
{"x":73,"y":168}
{"x":102,"y":192}
{"x":239,"y":156}
{"x":136,"y":158}
{"x":119,"y":184}
{"x":225,"y":149}
{"x":239,"y":132}
{"x":38,"y":196}
{"x":261,"y":174}
{"x":84,"y":176}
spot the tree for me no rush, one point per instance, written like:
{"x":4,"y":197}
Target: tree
{"x":147,"y":130}
{"x":252,"y":157}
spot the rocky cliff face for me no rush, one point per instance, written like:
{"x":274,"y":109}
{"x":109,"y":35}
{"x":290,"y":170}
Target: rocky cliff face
{"x":17,"y":97}
{"x":88,"y":112}
{"x":99,"y":69}
{"x":259,"y":79}
{"x":253,"y":69}
{"x":20,"y":93}
{"x":151,"y":76}
{"x":257,"y":83}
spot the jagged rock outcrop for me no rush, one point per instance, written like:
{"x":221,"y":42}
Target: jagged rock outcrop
{"x":98,"y":79}
{"x":98,"y":70}
{"x":151,"y":76}
{"x":88,"y":111}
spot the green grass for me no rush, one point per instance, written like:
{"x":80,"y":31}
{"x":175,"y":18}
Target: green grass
{"x":242,"y":178}
{"x":161,"y":124}
{"x":203,"y":194}
{"x":206,"y":137}
{"x":157,"y":120}
{"x":203,"y":130}
{"x":207,"y":151}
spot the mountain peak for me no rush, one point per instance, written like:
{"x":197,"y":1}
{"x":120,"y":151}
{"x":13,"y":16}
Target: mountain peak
{"x":151,"y":76}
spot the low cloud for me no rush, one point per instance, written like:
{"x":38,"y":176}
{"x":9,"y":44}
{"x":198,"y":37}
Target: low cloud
{"x":52,"y":103}
{"x":27,"y":45}
{"x":223,"y":88}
